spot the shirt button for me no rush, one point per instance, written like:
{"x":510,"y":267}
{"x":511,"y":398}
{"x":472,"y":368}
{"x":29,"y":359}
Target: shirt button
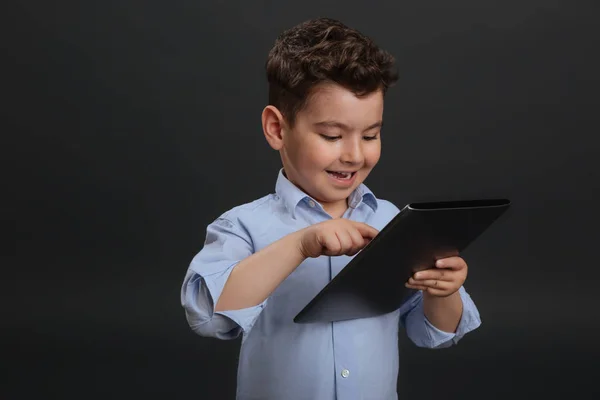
{"x":345,"y":373}
{"x":311,"y":203}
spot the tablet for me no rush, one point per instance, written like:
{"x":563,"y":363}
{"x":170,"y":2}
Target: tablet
{"x":372,"y":283}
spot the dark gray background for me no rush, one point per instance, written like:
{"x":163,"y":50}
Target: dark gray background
{"x":136,"y":123}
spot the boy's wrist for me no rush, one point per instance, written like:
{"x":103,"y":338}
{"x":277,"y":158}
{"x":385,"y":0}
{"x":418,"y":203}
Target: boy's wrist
{"x":298,"y":240}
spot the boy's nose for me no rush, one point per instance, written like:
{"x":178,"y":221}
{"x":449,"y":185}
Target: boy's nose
{"x":352,"y":154}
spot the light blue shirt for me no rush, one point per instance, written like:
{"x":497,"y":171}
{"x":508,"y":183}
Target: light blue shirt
{"x":282,"y":360}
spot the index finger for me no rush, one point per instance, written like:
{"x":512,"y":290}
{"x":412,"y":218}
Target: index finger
{"x":367,"y":231}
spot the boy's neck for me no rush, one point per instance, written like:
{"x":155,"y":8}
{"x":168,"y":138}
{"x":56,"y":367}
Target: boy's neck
{"x":336,"y":210}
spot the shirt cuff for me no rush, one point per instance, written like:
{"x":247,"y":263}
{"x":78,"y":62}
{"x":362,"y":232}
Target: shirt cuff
{"x":424,"y":334}
{"x":199,"y":299}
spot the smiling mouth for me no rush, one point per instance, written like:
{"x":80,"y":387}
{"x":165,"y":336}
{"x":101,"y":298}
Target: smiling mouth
{"x":342,"y":175}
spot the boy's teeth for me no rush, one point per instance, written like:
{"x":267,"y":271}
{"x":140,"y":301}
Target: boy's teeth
{"x":342,"y":175}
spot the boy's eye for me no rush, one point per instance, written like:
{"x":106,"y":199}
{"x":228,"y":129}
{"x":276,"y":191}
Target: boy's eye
{"x":370,"y":137}
{"x":330,"y":138}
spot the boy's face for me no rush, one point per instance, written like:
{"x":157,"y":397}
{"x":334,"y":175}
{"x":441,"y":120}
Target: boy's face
{"x":334,"y":143}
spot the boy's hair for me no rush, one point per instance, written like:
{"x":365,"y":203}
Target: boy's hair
{"x":324,"y":50}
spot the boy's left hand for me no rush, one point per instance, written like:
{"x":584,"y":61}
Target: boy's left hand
{"x":444,"y":279}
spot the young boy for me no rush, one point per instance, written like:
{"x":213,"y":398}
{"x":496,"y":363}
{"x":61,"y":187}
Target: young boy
{"x":262,"y":262}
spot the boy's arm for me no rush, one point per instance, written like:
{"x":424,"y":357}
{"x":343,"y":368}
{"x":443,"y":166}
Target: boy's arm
{"x":420,"y":329}
{"x":253,"y":280}
{"x":227,"y":284}
{"x":229,"y":275}
{"x":225,"y":247}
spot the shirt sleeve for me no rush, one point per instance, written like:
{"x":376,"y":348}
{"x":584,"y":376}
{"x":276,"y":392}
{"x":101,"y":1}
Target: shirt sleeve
{"x":225,"y":246}
{"x":421,"y":332}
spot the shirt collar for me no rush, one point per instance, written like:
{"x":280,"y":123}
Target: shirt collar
{"x":292,"y":195}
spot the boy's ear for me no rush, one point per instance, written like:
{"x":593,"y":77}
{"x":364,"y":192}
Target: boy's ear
{"x":273,"y":126}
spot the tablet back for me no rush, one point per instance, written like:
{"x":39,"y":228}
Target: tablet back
{"x":373,"y":282}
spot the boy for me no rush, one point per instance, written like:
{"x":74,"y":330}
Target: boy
{"x":262,"y":262}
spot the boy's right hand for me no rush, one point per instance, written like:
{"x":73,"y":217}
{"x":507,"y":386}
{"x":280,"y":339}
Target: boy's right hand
{"x":335,"y":237}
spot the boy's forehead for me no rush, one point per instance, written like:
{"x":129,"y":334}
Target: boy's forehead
{"x":332,"y":103}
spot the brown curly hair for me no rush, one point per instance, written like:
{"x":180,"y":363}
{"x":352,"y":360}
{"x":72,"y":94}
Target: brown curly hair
{"x":324,"y":50}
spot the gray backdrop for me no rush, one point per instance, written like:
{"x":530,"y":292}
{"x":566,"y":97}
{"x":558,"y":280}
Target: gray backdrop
{"x":137,"y":123}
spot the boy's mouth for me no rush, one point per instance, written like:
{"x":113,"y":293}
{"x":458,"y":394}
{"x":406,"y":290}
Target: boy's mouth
{"x":342,"y":175}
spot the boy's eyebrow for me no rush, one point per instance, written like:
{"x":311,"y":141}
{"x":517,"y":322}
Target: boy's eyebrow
{"x":336,"y":124}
